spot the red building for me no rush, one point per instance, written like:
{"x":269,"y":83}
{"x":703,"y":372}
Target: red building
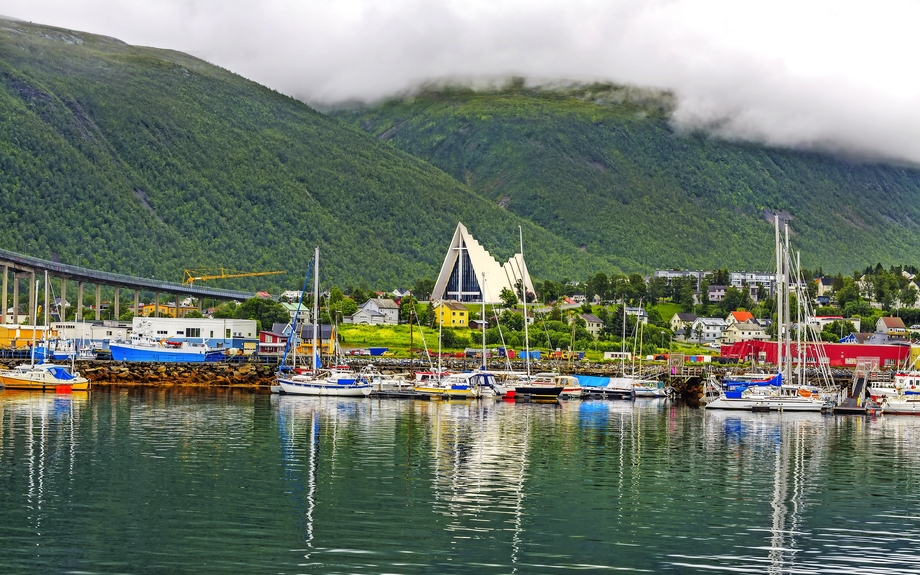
{"x":837,"y":354}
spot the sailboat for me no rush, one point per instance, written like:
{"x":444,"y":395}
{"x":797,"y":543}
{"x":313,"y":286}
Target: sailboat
{"x":539,"y":386}
{"x":775,"y":391}
{"x":444,"y":384}
{"x":42,"y":376}
{"x":335,"y":381}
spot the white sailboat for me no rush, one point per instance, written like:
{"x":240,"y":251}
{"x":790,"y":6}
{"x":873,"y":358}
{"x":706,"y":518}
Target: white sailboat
{"x":335,"y":381}
{"x":775,"y":391}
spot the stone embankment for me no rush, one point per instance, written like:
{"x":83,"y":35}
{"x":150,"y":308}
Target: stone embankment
{"x":177,"y":374}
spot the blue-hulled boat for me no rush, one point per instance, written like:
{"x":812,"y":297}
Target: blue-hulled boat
{"x":142,"y":347}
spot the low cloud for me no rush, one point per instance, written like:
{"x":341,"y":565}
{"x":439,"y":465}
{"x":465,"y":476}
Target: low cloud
{"x":836,"y":76}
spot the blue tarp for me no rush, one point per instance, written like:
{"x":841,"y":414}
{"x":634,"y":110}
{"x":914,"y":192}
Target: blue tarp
{"x":592,"y":381}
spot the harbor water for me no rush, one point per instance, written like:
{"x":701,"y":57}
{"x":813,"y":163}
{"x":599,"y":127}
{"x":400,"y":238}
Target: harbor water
{"x":203,"y":481}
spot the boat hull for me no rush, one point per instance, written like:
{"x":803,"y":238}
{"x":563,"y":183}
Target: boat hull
{"x":538,"y":390}
{"x":766,"y":404}
{"x":321,"y":388}
{"x":41,"y":378}
{"x":901,"y":405}
{"x":128,"y":352}
{"x":454,"y":392}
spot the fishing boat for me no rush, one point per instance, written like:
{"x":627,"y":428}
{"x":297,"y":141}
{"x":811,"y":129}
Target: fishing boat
{"x":143,"y":347}
{"x":339,"y":381}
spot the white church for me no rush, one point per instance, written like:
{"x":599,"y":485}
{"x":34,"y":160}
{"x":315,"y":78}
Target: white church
{"x":471,"y":274}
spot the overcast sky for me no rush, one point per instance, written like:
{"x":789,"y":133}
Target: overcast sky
{"x":834,"y":75}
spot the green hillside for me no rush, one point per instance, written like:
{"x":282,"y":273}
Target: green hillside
{"x":146,"y":161}
{"x":603,"y":167}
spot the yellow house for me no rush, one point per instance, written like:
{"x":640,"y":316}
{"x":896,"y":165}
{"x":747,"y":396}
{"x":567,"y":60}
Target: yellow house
{"x":451,"y":314}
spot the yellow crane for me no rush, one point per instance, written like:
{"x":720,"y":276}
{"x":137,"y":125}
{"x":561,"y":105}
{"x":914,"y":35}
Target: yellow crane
{"x":201,"y":275}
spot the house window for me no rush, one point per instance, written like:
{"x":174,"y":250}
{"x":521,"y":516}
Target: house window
{"x":212,"y":333}
{"x":193,"y":332}
{"x":227,"y":334}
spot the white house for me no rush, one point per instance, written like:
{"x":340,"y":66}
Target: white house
{"x":706,"y":329}
{"x":376,"y":311}
{"x":639,"y":313}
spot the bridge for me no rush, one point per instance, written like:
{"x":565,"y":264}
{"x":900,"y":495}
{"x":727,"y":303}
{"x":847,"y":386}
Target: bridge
{"x":23,"y":266}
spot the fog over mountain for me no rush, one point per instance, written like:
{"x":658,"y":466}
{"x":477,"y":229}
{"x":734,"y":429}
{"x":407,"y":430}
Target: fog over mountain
{"x":827,"y":75}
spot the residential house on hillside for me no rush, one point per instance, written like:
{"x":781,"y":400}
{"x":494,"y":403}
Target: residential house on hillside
{"x":716,"y":293}
{"x":758,"y":283}
{"x":305,"y":313}
{"x":400,"y":293}
{"x":825,"y":286}
{"x":376,"y":311}
{"x":892,"y":328}
{"x":682,"y":320}
{"x":739,"y":316}
{"x":639,"y":313}
{"x":593,"y":324}
{"x":706,"y":329}
{"x":743,"y":331}
{"x":450,"y":313}
{"x":273,"y":341}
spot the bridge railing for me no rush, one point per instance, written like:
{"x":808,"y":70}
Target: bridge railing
{"x":109,"y":278}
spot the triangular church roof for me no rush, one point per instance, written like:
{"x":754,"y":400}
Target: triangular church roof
{"x":497,"y":276}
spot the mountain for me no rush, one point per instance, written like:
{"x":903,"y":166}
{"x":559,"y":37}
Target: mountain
{"x":146,"y":161}
{"x":604,"y":167}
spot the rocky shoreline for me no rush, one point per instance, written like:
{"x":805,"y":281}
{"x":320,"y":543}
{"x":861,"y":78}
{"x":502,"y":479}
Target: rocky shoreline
{"x":176,"y":374}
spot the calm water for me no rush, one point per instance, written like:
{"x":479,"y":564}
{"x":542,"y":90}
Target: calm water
{"x":217,"y":482}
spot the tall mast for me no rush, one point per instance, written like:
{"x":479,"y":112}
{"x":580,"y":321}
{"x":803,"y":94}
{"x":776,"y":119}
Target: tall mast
{"x":787,"y":323}
{"x":316,"y":337}
{"x":524,"y":299}
{"x":482,"y":296}
{"x":34,"y":322}
{"x":778,"y":293}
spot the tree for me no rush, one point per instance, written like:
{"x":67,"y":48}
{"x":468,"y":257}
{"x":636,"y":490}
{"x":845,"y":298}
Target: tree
{"x":423,"y":288}
{"x":358,"y":295}
{"x":550,"y":291}
{"x":512,"y":320}
{"x":193,"y":314}
{"x":508,"y":297}
{"x":226,"y":310}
